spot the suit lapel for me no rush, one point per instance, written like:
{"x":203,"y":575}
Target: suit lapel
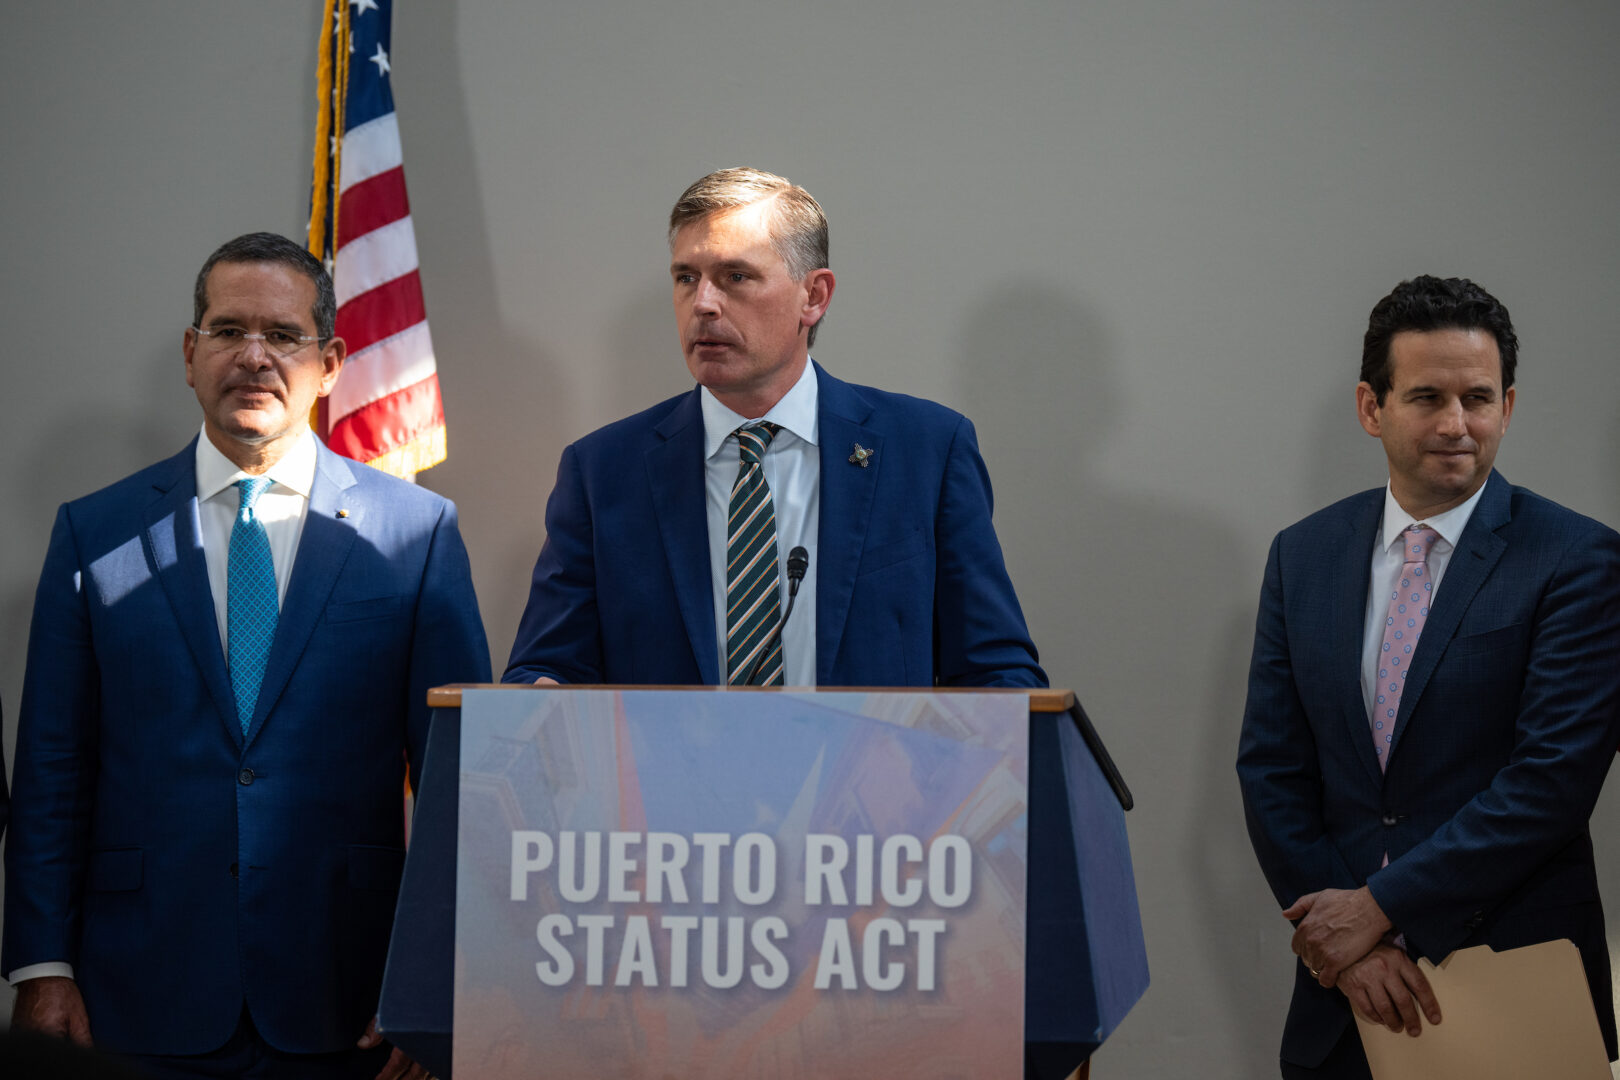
{"x":174,"y":543}
{"x":1478,"y":551}
{"x":322,"y":550}
{"x":847,"y":495}
{"x":1352,"y":576}
{"x":675,"y":473}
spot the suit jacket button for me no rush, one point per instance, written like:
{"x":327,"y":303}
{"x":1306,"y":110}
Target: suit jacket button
{"x":245,"y":776}
{"x":1388,"y":819}
{"x":233,"y":869}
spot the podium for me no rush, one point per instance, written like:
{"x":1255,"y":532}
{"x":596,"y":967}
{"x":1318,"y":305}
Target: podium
{"x":755,"y":882}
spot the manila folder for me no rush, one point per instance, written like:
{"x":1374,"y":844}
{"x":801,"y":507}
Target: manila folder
{"x":1517,"y":1013}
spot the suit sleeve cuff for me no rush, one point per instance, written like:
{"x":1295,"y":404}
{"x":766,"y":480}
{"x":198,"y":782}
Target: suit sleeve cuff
{"x":41,"y":971}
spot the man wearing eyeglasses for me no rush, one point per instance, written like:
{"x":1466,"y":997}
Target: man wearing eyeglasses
{"x":226,"y":683}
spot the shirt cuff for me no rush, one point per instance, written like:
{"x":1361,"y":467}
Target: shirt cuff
{"x":41,"y":971}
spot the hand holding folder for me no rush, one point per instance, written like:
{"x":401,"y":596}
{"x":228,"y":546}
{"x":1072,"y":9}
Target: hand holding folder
{"x":1522,"y":1012}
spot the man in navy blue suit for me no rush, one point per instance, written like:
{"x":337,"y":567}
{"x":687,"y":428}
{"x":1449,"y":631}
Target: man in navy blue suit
{"x":226,"y":683}
{"x":1433,"y":697}
{"x":670,"y":536}
{"x":5,"y":796}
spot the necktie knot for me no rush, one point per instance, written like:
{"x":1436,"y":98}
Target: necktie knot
{"x":251,"y":487}
{"x":1416,"y":542}
{"x":753,"y":439}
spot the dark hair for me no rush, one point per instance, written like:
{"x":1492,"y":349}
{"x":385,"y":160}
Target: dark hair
{"x":270,"y":248}
{"x":1429,"y":303}
{"x":798,"y":226}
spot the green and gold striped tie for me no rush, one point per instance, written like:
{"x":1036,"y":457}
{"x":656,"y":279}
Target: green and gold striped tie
{"x":752,"y":605}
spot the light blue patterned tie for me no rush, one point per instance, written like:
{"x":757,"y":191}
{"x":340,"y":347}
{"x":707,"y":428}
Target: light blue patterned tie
{"x":251,"y":608}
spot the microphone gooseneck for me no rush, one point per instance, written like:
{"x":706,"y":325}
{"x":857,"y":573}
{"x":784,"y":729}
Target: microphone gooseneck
{"x":798,"y":564}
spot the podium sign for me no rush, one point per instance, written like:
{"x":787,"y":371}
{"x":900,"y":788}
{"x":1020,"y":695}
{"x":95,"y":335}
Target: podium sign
{"x":665,"y":883}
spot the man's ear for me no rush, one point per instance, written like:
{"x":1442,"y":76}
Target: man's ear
{"x":188,"y":349}
{"x":332,"y":355}
{"x":1368,"y":411}
{"x":818,"y":288}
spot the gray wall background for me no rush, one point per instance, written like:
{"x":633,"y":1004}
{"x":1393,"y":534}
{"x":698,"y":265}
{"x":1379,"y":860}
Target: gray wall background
{"x":1136,"y":240}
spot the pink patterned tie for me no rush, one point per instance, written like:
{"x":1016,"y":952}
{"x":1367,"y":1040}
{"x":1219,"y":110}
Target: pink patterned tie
{"x":1408,"y":611}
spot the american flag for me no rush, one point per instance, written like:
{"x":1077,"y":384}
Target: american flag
{"x":386,"y":409}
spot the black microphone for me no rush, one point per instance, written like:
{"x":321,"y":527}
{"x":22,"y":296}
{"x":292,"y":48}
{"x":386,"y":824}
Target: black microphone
{"x":798,"y":563}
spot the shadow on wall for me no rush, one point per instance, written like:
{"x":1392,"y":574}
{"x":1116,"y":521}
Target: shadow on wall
{"x":644,"y":353}
{"x":1141,"y":603}
{"x":1341,"y":460}
{"x":1244,"y":924}
{"x":642,"y":367}
{"x":508,"y":400}
{"x":1344,"y":458}
{"x":93,"y":443}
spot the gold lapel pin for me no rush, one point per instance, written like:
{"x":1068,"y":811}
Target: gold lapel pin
{"x":343,"y":513}
{"x":862,"y":456}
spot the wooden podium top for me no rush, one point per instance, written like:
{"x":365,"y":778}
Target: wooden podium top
{"x":1041,"y":701}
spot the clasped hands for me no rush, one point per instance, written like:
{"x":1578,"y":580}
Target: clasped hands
{"x":1339,"y":936}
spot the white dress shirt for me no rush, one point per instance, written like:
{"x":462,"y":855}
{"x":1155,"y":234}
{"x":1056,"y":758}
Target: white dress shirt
{"x":281,"y":508}
{"x":792,"y":467}
{"x":1387,"y":560}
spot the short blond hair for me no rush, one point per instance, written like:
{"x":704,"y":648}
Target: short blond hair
{"x":798,"y":226}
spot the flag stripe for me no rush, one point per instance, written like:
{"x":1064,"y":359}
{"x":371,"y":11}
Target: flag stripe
{"x":388,"y":366}
{"x":370,"y":149}
{"x":374,"y":259}
{"x":373,"y":203}
{"x":426,"y":450}
{"x":386,"y":407}
{"x":382,"y":312}
{"x":390,"y":422}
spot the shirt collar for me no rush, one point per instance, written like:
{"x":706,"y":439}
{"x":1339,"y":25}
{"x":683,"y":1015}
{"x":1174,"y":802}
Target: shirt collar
{"x":796,"y":413}
{"x":295,"y":471}
{"x":1449,"y":525}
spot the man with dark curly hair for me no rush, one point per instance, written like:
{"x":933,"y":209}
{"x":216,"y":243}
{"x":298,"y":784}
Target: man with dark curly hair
{"x":1433,"y":700}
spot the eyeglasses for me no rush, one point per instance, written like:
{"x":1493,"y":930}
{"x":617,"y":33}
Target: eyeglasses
{"x":233,"y":339}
